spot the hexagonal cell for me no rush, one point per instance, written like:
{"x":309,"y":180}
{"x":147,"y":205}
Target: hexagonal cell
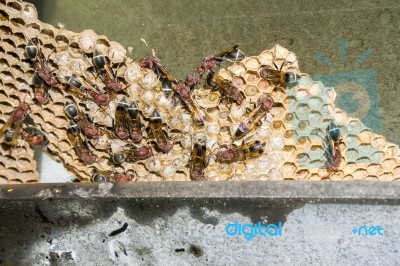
{"x":389,"y":164}
{"x":337,"y":175}
{"x":327,"y":111}
{"x":377,"y":157}
{"x":354,"y":127}
{"x":279,"y":94}
{"x":238,"y":69}
{"x":251,"y":77}
{"x":288,"y":169}
{"x":386,"y":176}
{"x":275,"y":144}
{"x":277,"y":128}
{"x":360,"y":174}
{"x":266,"y":58}
{"x":252,"y":63}
{"x":392,"y":151}
{"x":275,"y":174}
{"x":263,"y":133}
{"x":304,"y":141}
{"x":278,"y":112}
{"x":3,"y":15}
{"x":291,"y":103}
{"x":316,"y":89}
{"x":275,"y":159}
{"x":302,"y":95}
{"x":264,"y":86}
{"x":291,"y":134}
{"x":315,"y":103}
{"x":303,"y":160}
{"x":351,"y":155}
{"x":341,"y":117}
{"x":379,"y":142}
{"x":250,"y":90}
{"x":315,"y":118}
{"x":302,"y":174}
{"x":302,"y":111}
{"x":289,"y":148}
{"x":238,"y":82}
{"x":363,"y":160}
{"x":314,"y":177}
{"x":349,"y":168}
{"x":303,"y":128}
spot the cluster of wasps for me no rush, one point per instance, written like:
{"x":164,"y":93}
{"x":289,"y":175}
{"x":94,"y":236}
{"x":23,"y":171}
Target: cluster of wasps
{"x":127,"y":121}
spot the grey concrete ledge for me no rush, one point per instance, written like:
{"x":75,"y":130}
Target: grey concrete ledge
{"x":302,"y":190}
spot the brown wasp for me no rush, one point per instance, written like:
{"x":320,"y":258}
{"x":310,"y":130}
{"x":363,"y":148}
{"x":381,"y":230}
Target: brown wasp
{"x":111,"y":176}
{"x":155,"y":125}
{"x":133,"y":154}
{"x":110,"y":78}
{"x":81,"y":147}
{"x":234,"y":153}
{"x":85,"y":89}
{"x":134,"y":123}
{"x":252,"y":120}
{"x":187,"y":97}
{"x":12,"y":127}
{"x":154,"y":63}
{"x":198,"y":162}
{"x":231,"y":53}
{"x":90,"y":130}
{"x":231,"y":92}
{"x":34,"y":137}
{"x":277,"y":76}
{"x":333,"y":152}
{"x":44,"y":77}
{"x":121,"y":128}
{"x":41,"y":90}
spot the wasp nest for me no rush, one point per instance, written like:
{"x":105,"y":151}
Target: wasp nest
{"x":190,"y":133}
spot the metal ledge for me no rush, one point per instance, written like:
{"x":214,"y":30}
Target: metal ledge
{"x":304,"y":190}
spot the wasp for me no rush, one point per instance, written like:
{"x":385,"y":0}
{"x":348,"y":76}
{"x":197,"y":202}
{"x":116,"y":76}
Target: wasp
{"x":81,"y":147}
{"x":210,"y":62}
{"x":85,"y":89}
{"x":132,"y":154}
{"x":12,"y":127}
{"x":41,"y":66}
{"x":187,"y":97}
{"x":134,"y":123}
{"x":198,"y":162}
{"x":334,"y":139}
{"x":109,"y":78}
{"x":41,"y":91}
{"x":231,"y":92}
{"x":121,"y":128}
{"x":265,"y":103}
{"x":90,"y":130}
{"x":109,"y":176}
{"x":192,"y":80}
{"x":44,"y":77}
{"x":154,"y":63}
{"x":34,"y":137}
{"x":277,"y":76}
{"x":155,"y":125}
{"x":234,"y":153}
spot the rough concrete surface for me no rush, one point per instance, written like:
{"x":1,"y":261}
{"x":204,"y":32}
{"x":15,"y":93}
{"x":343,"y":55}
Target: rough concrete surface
{"x":171,"y":232}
